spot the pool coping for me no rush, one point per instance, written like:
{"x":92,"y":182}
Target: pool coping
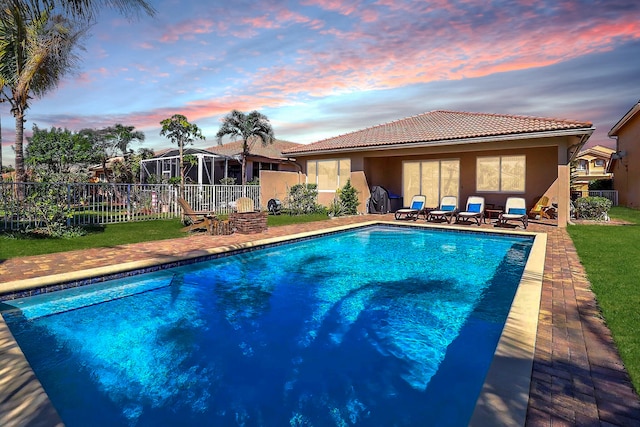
{"x":503,"y":400}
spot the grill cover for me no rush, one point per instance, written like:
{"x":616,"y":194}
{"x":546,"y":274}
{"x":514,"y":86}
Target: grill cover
{"x":379,"y":201}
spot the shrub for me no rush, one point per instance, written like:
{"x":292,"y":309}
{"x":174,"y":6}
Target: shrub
{"x":303,"y":198}
{"x":336,"y":208}
{"x":593,"y":208}
{"x":228,"y":181}
{"x":601,"y":184}
{"x":349,"y":199}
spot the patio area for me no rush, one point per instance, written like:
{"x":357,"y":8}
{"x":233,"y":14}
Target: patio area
{"x":578,"y":378}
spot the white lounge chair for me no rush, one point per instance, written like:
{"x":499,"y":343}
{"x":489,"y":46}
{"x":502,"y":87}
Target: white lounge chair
{"x":446,"y":211}
{"x":474,"y":211}
{"x":515,"y":209}
{"x":416,"y":208}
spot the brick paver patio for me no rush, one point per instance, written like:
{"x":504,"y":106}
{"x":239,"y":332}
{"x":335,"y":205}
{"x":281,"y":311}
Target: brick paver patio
{"x":578,"y":378}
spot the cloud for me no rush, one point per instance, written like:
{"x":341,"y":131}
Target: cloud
{"x":189,"y":29}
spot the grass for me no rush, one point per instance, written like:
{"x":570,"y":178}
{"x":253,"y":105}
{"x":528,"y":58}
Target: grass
{"x":14,"y":245}
{"x":611,"y":257}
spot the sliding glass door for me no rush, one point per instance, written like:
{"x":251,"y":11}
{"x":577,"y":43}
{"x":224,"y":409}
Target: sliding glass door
{"x":432,"y":178}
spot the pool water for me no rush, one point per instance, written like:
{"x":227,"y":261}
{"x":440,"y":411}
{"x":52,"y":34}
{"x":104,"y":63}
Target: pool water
{"x":381,"y":326}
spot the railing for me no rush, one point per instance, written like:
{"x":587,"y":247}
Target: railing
{"x":608,"y":194}
{"x":31,"y":205}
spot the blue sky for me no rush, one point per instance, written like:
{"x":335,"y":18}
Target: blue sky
{"x":320,"y":68}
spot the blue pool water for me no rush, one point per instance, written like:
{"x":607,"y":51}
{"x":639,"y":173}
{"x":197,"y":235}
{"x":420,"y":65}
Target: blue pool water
{"x":382,"y":326}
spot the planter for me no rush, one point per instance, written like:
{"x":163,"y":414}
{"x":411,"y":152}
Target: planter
{"x":249,"y":222}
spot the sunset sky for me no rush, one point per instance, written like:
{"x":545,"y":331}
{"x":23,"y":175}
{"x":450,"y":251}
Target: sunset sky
{"x":320,"y":68}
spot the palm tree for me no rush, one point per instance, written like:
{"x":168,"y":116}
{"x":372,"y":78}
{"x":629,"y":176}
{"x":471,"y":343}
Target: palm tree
{"x":178,"y":129}
{"x":122,"y":136}
{"x":36,"y":50}
{"x":251,"y":128}
{"x":88,"y":8}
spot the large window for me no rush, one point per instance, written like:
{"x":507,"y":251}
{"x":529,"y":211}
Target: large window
{"x":329,"y":175}
{"x":432,"y":178}
{"x":504,"y":174}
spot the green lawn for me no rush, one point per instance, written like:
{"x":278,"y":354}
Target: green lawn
{"x":15,"y":245}
{"x":611,"y":257}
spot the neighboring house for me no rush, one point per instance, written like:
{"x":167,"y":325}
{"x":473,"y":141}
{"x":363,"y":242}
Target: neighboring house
{"x":625,"y":162}
{"x":99,"y":171}
{"x":220,"y":161}
{"x":591,"y":164}
{"x":452,"y":153}
{"x":206,"y":168}
{"x":262,"y":157}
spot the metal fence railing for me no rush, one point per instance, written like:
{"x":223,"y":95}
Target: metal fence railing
{"x":31,"y":205}
{"x":608,"y":194}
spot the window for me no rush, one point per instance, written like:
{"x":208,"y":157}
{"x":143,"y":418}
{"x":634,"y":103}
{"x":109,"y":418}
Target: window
{"x":599,"y":163}
{"x":260,"y":166}
{"x":432,"y":178}
{"x":329,"y":175}
{"x":505,"y":174}
{"x":582,"y":165}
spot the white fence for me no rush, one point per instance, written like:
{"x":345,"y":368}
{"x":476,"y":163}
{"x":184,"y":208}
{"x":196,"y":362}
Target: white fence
{"x":25,"y":205}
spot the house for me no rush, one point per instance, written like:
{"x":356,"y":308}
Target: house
{"x":451,"y":153}
{"x":261,"y":157}
{"x":625,"y":162}
{"x":591,"y":164}
{"x":201,"y":166}
{"x":210,"y":165}
{"x":98,"y":172}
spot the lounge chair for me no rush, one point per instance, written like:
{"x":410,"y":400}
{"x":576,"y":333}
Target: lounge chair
{"x":542,"y":209}
{"x":199,"y":220}
{"x":446,"y":211}
{"x":416,"y":208}
{"x":515,"y":209}
{"x":474,"y":211}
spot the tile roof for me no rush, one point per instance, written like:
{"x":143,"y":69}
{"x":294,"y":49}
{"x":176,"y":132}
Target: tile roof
{"x":271,"y":151}
{"x":438,"y":126}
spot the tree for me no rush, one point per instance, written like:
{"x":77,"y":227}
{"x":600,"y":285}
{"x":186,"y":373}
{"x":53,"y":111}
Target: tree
{"x":179,"y":131}
{"x":136,"y":161}
{"x":251,"y":128}
{"x":349,"y":198}
{"x":36,"y":50}
{"x":87,"y":9}
{"x":37,"y":39}
{"x":122,"y":136}
{"x":118,"y":138}
{"x":53,"y":154}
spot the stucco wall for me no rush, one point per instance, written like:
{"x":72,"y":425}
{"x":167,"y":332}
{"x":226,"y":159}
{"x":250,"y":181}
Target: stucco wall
{"x":544,"y":155}
{"x":276,"y":185}
{"x":626,"y":172}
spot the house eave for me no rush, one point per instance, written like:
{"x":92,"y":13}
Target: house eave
{"x":584,"y":133}
{"x":624,"y":120}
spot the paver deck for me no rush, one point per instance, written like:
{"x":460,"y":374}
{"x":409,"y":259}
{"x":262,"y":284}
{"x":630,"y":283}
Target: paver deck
{"x":578,"y":378}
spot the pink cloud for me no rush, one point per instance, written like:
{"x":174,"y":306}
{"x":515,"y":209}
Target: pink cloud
{"x":190,"y":28}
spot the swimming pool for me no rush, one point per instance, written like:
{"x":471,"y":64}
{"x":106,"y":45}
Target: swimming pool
{"x":357,"y":328}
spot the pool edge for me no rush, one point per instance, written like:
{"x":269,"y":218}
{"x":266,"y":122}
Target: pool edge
{"x":23,"y":401}
{"x":504,"y":398}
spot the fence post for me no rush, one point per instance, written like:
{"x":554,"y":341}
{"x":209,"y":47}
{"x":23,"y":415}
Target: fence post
{"x":129,"y":210}
{"x":69,"y":204}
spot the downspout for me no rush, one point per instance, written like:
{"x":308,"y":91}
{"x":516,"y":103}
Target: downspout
{"x":299,"y":166}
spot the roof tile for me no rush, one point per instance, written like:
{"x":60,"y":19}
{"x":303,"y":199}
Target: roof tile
{"x":440,"y":125}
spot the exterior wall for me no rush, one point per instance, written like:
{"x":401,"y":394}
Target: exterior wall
{"x":359,"y":182}
{"x":540,"y":175}
{"x":626,"y":172}
{"x":544,"y":156}
{"x":276,"y":185}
